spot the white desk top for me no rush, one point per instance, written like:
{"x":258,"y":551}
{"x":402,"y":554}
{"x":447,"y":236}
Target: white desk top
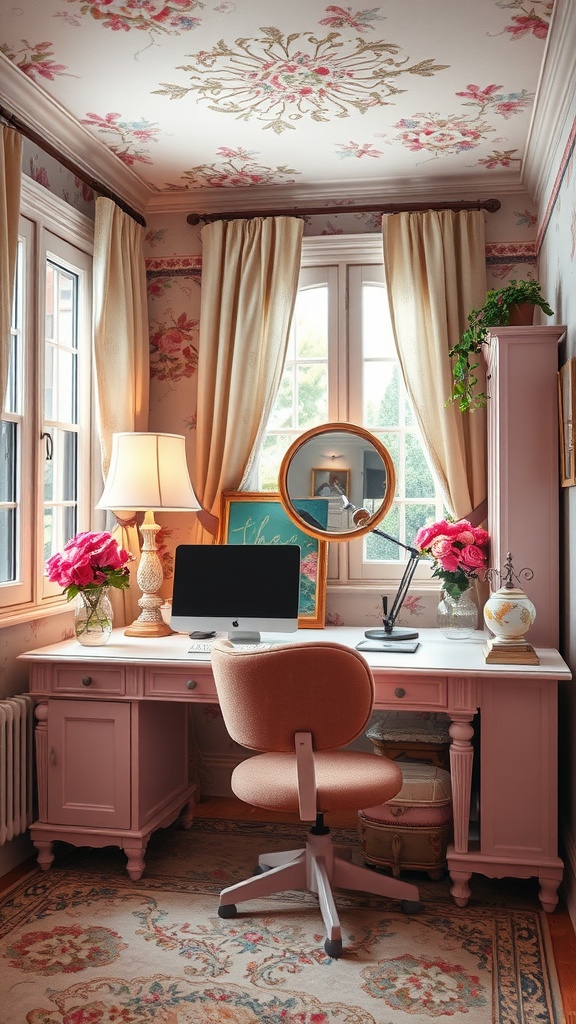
{"x":436,"y":655}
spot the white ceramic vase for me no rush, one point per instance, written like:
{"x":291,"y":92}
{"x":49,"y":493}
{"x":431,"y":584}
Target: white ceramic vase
{"x":508,"y":613}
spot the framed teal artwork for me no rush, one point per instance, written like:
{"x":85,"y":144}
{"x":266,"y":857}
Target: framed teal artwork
{"x":254,"y":517}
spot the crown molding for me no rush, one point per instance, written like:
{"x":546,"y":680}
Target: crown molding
{"x":288,"y":197}
{"x":26,"y":101}
{"x":550,"y":123}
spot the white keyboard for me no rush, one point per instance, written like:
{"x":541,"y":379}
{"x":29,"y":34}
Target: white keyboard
{"x":205,"y":647}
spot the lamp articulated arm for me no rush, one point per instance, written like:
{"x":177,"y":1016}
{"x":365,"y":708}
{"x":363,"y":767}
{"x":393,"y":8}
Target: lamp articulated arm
{"x":388,"y":619}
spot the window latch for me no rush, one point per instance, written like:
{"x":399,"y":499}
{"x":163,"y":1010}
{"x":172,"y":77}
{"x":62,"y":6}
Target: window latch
{"x":49,"y":445}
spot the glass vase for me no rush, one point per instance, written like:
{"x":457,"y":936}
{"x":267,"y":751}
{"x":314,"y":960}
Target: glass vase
{"x":457,"y":617}
{"x":93,"y":617}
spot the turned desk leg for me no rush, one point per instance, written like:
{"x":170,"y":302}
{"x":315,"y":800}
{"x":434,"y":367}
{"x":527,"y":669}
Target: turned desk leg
{"x":461,"y":762}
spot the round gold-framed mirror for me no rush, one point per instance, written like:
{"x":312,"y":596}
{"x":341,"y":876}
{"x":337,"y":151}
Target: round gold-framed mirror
{"x":337,"y":481}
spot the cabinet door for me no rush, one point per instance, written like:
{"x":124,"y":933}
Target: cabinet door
{"x":518,"y":769}
{"x":89,"y":763}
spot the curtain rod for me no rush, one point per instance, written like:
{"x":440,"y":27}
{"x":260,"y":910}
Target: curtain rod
{"x":491,"y":205}
{"x":96,"y":186}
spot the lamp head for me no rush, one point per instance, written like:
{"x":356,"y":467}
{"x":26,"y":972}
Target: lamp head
{"x":149,"y":472}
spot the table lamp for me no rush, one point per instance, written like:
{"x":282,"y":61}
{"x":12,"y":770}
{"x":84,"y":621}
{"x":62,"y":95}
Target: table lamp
{"x":148,"y":473}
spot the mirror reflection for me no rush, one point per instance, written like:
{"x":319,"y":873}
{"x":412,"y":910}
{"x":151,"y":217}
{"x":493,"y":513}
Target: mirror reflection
{"x":337,"y":481}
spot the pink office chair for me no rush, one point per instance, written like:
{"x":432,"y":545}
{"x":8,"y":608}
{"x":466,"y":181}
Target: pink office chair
{"x":298,"y":704}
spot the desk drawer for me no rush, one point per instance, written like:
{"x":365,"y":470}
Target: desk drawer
{"x":195,"y":683}
{"x":88,"y":680}
{"x":401,"y":691}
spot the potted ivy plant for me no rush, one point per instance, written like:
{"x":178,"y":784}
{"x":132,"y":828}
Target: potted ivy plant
{"x":513,"y":304}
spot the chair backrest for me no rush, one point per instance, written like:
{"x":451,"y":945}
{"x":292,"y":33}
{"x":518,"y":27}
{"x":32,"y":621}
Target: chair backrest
{"x":266,"y":696}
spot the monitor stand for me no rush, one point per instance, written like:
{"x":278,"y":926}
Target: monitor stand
{"x":245,"y":637}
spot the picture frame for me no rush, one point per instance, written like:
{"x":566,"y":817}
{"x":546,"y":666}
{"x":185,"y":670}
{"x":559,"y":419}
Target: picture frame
{"x":328,"y":481}
{"x":566,"y":410}
{"x":258,"y":517}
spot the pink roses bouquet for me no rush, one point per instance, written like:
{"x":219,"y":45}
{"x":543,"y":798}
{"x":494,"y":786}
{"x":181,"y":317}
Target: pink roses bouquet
{"x":90,"y":561}
{"x":458,"y":550}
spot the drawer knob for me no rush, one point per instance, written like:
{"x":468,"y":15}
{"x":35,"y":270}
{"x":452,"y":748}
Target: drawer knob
{"x":86,"y":680}
{"x":399,"y":691}
{"x":191,"y":684}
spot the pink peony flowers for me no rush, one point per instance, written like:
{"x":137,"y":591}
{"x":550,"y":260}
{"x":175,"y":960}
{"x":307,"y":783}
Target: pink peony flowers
{"x":458,"y":551}
{"x":89,"y":561}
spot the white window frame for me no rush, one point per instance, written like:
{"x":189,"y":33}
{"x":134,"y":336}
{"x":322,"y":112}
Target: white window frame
{"x":346,"y":568}
{"x":51,"y":228}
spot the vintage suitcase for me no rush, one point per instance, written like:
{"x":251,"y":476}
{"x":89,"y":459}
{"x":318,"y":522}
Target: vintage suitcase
{"x":412,"y":736}
{"x":411,"y":831}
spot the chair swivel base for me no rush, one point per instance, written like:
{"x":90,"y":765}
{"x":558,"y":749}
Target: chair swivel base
{"x":316,"y":869}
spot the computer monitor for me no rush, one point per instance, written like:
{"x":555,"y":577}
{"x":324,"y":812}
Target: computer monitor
{"x":239,"y":589}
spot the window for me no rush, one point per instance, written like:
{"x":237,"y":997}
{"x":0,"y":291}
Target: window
{"x":45,"y":441}
{"x":341,"y":364}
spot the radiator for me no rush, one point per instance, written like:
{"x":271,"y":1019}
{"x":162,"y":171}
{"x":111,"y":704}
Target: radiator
{"x":16,"y":765}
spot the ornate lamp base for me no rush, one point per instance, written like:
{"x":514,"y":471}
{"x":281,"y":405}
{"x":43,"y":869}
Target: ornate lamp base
{"x":149,"y":578}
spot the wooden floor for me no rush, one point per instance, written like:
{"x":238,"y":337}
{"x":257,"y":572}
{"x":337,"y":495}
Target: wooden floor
{"x":559,"y":924}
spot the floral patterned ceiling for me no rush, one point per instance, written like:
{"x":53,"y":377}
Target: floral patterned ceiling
{"x":302,"y":96}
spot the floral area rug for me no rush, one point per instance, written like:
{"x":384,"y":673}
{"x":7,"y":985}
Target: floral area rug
{"x":83,"y":944}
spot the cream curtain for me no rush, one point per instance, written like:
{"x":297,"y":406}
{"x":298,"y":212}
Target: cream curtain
{"x":250,"y":272}
{"x":121,"y":355}
{"x":436,"y":273}
{"x":10,"y":170}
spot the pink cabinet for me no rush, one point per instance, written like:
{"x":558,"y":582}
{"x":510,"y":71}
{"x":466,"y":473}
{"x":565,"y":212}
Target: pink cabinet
{"x":110,"y":772}
{"x":523,"y":476}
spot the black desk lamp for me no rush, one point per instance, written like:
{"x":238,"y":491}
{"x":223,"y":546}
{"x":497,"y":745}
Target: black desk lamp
{"x":389,"y":632}
{"x":389,"y":618}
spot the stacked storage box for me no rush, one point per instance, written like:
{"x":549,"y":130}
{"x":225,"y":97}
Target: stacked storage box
{"x":413,"y":830}
{"x":412,"y":736}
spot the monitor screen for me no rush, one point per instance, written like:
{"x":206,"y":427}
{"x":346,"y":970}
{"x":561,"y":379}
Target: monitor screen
{"x":239,"y":589}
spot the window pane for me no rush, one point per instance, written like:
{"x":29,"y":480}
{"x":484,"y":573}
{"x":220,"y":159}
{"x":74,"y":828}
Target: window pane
{"x":8,"y":546}
{"x":312,"y":395}
{"x":8,"y":496}
{"x":419,"y":482}
{"x":310,"y":323}
{"x":270,"y":458}
{"x":378,"y":341}
{"x":8,"y":461}
{"x":282,"y":414}
{"x":381,"y":395}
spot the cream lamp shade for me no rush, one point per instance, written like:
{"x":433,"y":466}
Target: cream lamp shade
{"x":149,"y":473}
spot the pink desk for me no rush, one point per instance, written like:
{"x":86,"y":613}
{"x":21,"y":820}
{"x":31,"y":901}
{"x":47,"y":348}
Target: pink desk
{"x":112,"y":744}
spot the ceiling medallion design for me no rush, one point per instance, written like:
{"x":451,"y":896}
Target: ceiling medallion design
{"x":154,"y":16}
{"x":448,"y":136}
{"x":281,"y":79}
{"x":239,"y":170}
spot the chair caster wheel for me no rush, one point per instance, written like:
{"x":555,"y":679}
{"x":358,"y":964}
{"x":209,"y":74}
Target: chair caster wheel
{"x":333,"y":948}
{"x":411,"y":906}
{"x":227,"y":910}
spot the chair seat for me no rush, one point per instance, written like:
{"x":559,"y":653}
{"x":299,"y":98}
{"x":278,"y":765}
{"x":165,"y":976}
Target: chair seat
{"x":270,"y":781}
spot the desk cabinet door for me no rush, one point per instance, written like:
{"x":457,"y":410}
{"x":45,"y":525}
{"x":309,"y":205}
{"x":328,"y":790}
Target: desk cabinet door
{"x":89,"y":763}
